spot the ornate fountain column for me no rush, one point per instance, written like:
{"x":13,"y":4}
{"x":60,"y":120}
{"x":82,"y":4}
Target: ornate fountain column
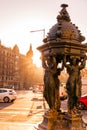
{"x":63,"y":44}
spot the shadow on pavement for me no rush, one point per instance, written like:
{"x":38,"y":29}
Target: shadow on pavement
{"x":3,"y":105}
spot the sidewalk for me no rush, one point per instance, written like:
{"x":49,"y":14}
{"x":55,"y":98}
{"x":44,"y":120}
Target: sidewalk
{"x":22,"y":125}
{"x":23,"y":121}
{"x":17,"y":126}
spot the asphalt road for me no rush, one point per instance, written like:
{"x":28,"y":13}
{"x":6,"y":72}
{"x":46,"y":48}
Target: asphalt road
{"x":27,"y":103}
{"x":25,"y":111}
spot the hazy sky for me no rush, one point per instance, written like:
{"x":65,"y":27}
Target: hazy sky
{"x":19,"y":17}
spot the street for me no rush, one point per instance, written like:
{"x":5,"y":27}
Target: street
{"x":25,"y":112}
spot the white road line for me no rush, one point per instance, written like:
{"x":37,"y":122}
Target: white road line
{"x":39,"y":112}
{"x":18,"y":123}
{"x":12,"y":113}
{"x":21,"y":109}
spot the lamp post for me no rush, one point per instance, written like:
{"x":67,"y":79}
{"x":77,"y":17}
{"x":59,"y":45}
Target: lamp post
{"x":43,"y":30}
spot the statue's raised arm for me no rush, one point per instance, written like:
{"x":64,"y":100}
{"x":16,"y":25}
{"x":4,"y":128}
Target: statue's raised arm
{"x":65,"y":62}
{"x":83,"y":63}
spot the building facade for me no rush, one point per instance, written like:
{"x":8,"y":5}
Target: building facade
{"x":17,"y":69}
{"x":7,"y":65}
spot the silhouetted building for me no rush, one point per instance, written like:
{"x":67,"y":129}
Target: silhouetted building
{"x":17,"y":69}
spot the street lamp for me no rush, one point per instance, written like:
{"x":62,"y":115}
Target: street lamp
{"x":43,"y":30}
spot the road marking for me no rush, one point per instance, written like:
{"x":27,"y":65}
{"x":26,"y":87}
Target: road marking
{"x":17,"y":123}
{"x":23,"y":109}
{"x":22,"y":112}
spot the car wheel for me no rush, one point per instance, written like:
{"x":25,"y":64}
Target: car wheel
{"x":6,"y":99}
{"x":13,"y":100}
{"x":80,"y":106}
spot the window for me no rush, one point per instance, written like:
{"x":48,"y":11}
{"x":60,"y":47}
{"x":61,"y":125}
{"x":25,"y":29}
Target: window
{"x":1,"y":91}
{"x":4,"y":91}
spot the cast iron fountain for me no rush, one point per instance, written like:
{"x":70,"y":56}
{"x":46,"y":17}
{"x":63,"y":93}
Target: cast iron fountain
{"x":63,"y":44}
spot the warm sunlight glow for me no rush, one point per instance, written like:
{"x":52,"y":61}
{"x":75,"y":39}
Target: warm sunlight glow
{"x":36,"y":40}
{"x":36,"y":58}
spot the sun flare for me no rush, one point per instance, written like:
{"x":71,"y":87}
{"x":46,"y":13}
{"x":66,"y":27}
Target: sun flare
{"x":36,"y":58}
{"x":36,"y":40}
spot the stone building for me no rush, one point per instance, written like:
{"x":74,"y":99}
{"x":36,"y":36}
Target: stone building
{"x":17,"y":69}
{"x":7,"y":65}
{"x":17,"y":54}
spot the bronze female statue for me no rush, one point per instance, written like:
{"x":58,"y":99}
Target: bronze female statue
{"x":51,"y":82}
{"x":73,"y":84}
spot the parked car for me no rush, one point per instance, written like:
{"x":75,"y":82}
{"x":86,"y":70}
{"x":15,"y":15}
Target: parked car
{"x":30,"y":88}
{"x":7,"y":95}
{"x":35,"y":90}
{"x":63,"y":91}
{"x":82,"y":102}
